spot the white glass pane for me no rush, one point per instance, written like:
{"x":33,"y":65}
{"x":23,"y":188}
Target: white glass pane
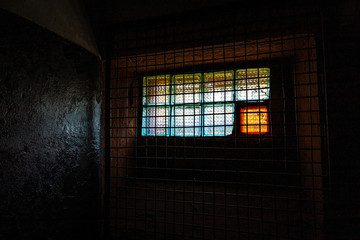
{"x":218,"y":86}
{"x":187,"y":88}
{"x":155,"y":121}
{"x":218,"y":119}
{"x":186,"y":121}
{"x":156,"y":90}
{"x":252,"y":84}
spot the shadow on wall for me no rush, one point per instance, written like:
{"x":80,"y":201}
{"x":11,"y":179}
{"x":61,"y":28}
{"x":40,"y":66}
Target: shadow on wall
{"x":49,"y":134}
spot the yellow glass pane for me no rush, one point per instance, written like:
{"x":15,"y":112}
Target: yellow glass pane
{"x":156,"y":89}
{"x":218,"y":86}
{"x":252,"y":84}
{"x":187,"y":88}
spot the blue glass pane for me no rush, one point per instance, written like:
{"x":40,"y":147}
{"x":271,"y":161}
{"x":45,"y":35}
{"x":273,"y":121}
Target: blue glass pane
{"x":186,"y":121}
{"x":218,"y":119}
{"x":155,"y":121}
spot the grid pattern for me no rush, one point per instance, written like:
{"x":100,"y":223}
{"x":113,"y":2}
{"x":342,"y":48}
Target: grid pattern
{"x":194,"y":157}
{"x":200,"y":104}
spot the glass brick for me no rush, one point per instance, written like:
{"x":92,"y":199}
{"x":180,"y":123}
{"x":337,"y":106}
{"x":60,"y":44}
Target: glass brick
{"x":254,"y":120}
{"x":252,"y":84}
{"x":186,"y":121}
{"x":218,"y":119}
{"x":156,"y":90}
{"x":218,"y":86}
{"x":155,"y":121}
{"x":187,"y":88}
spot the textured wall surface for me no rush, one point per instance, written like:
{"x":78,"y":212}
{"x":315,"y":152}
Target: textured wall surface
{"x":67,"y":18}
{"x":50,"y":106}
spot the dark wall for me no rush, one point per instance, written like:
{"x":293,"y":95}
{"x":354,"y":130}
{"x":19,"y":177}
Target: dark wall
{"x":342,"y":24}
{"x":153,"y":178}
{"x":49,"y":135}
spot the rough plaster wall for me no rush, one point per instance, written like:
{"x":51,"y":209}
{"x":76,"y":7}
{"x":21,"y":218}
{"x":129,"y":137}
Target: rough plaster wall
{"x":49,"y":134}
{"x":66,"y":18}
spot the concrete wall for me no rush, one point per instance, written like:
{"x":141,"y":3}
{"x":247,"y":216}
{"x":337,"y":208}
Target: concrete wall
{"x":66,"y":18}
{"x":49,"y":135}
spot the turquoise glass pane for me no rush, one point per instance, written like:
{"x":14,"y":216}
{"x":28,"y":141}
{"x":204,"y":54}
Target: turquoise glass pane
{"x":252,"y":84}
{"x":155,"y":121}
{"x":186,"y":121}
{"x":218,"y":86}
{"x":218,"y":119}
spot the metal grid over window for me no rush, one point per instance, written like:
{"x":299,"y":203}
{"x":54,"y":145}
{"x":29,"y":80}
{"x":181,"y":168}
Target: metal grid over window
{"x":172,"y":173}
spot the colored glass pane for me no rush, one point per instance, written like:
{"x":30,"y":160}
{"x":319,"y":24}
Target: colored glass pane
{"x":156,"y":90}
{"x":187,"y":88}
{"x":254,"y":120}
{"x":218,"y":119}
{"x":218,"y":86}
{"x":202,"y":104}
{"x":186,"y":121}
{"x":155,"y":121}
{"x":252,"y":84}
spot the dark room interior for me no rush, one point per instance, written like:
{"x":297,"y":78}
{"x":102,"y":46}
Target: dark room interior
{"x":183,"y":119}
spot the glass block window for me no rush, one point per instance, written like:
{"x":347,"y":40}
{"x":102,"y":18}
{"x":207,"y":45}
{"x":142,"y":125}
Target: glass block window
{"x":203,"y":104}
{"x":252,"y":84}
{"x":156,"y":90}
{"x":186,"y":121}
{"x":218,"y":86}
{"x":187,"y":88}
{"x":254,"y":120}
{"x":155,"y":121}
{"x":218,"y":119}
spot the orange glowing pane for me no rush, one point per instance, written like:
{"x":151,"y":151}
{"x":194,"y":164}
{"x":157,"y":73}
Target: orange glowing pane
{"x":254,"y":120}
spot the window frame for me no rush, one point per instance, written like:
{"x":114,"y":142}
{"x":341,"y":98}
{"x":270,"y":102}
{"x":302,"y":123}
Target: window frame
{"x":202,"y":71}
{"x":282,"y":99}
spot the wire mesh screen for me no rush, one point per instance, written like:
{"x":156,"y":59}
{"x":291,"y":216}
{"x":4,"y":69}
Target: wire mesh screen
{"x":215,"y":128}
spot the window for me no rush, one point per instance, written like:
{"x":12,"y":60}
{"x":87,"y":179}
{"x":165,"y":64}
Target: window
{"x":203,"y":104}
